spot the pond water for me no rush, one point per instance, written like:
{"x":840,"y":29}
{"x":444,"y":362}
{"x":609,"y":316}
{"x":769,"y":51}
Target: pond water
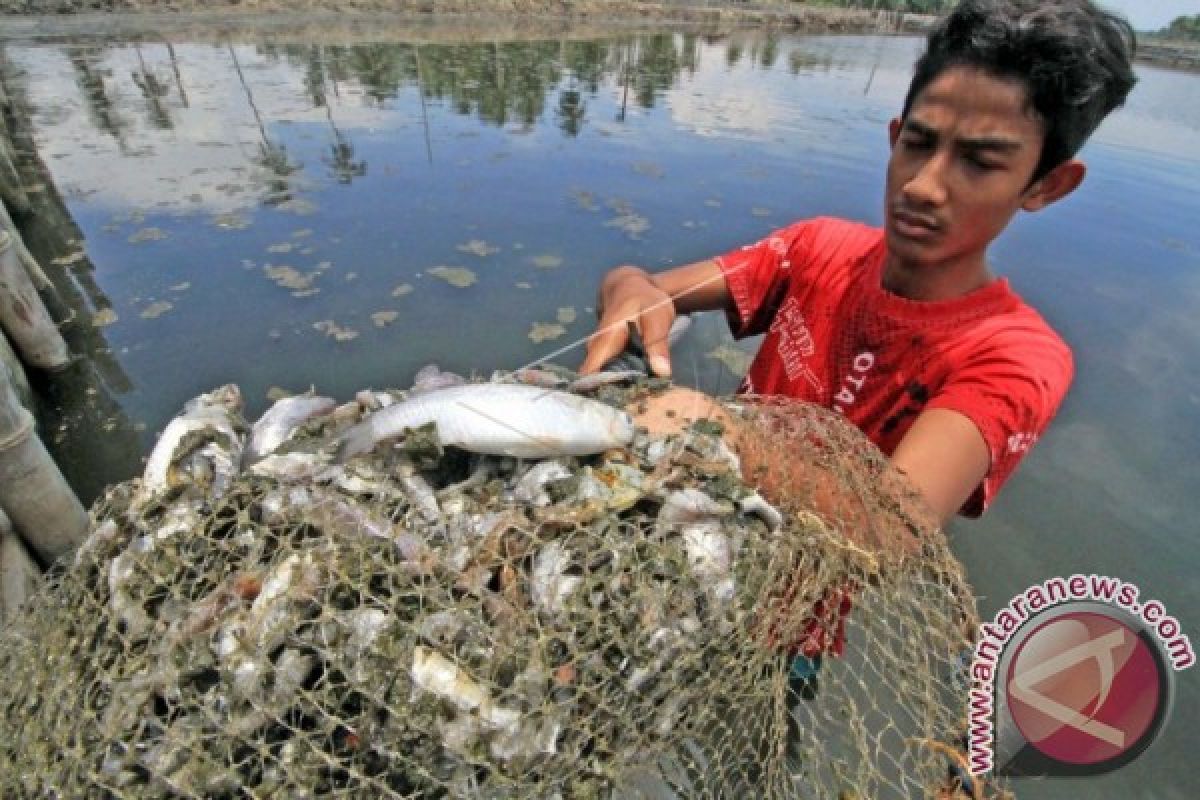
{"x":339,"y":214}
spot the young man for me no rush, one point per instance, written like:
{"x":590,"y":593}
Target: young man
{"x":905,"y":330}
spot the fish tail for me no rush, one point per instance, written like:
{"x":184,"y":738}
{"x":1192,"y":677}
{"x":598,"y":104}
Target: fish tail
{"x":359,"y":439}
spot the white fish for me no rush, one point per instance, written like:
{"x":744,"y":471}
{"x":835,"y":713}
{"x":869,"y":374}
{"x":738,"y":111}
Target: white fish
{"x":209,"y":418}
{"x":281,"y":420}
{"x":499,"y":419}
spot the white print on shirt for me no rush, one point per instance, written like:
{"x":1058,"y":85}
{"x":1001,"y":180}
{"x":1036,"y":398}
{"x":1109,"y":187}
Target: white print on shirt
{"x":1021,"y":442}
{"x":795,"y":345}
{"x":852,"y":384}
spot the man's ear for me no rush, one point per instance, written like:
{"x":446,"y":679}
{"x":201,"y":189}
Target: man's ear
{"x":894,"y":130}
{"x":1055,"y":185}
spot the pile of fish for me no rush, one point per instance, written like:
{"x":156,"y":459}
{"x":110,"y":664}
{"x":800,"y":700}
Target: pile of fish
{"x":499,"y":589}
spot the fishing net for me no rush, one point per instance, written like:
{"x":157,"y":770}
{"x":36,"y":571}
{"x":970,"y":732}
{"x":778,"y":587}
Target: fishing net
{"x":426,"y":622}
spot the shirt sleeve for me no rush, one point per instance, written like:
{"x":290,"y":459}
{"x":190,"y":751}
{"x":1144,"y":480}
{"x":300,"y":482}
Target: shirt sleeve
{"x":758,"y":276}
{"x":1011,"y":392}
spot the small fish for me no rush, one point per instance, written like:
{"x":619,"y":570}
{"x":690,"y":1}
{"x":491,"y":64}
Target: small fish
{"x":209,"y":418}
{"x":281,"y":420}
{"x":499,"y":419}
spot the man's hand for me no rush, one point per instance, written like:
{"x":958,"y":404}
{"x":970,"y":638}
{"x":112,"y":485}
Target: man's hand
{"x":630,"y":297}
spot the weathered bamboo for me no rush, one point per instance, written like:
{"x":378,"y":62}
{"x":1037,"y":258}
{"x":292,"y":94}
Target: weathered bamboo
{"x":23,"y":315}
{"x":11,"y":190}
{"x":19,"y":575}
{"x":36,"y":273}
{"x":42,"y":506}
{"x":10,"y":366}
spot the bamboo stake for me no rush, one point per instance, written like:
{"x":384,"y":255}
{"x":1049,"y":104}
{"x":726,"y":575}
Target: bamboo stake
{"x":19,"y":574}
{"x":10,"y":366}
{"x":12,"y":191}
{"x":41,"y":505}
{"x":36,"y":273}
{"x":23,"y":315}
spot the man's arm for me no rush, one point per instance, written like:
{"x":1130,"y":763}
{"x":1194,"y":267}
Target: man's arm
{"x":944,"y":456}
{"x":650,"y":302}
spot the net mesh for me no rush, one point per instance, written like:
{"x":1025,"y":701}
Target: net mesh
{"x":424,"y":622}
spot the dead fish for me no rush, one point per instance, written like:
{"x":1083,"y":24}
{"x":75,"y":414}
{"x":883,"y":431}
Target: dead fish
{"x":281,"y":420}
{"x":589,"y":383}
{"x":499,"y":419}
{"x":431,"y":378}
{"x":209,"y":418}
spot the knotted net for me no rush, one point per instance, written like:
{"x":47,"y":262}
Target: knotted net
{"x":426,"y":622}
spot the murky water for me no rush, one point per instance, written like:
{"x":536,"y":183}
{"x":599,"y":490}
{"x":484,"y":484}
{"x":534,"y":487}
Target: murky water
{"x":340,"y":215}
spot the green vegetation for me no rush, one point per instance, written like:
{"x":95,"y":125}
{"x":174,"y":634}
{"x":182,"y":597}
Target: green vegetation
{"x":910,"y":6}
{"x":1185,"y":28}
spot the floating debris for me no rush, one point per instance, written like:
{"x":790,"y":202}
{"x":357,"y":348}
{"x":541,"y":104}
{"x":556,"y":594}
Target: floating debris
{"x":181,"y":287}
{"x":455,"y":276}
{"x":278,"y":393}
{"x":147,"y":235}
{"x":545,"y":331}
{"x":289,"y":277}
{"x":648,"y":168}
{"x":231,"y":221}
{"x":306,"y":292}
{"x":759,"y":211}
{"x":104,"y":317}
{"x":523,"y":285}
{"x":634,"y":225}
{"x":735,"y":360}
{"x":335,"y":331}
{"x":477,"y":247}
{"x":382,"y":318}
{"x":350,"y":276}
{"x":547,"y":261}
{"x":69,"y":259}
{"x":566,"y":315}
{"x":281,"y":247}
{"x":302,"y":233}
{"x":585,"y":199}
{"x":156,"y":309}
{"x":712,"y":202}
{"x":299,"y":206}
{"x":402,"y":289}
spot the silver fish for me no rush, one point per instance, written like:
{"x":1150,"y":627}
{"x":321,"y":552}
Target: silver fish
{"x":281,"y":420}
{"x":206,"y":419}
{"x":499,"y":419}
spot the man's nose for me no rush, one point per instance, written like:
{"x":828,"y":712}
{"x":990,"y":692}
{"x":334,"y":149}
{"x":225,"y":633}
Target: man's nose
{"x":927,"y":186}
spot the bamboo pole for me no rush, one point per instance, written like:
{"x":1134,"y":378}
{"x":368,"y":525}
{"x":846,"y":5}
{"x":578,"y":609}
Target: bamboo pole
{"x":19,"y":574}
{"x":36,"y":273}
{"x":11,"y":189}
{"x":10,"y":366}
{"x":23,"y":315}
{"x":41,"y":505}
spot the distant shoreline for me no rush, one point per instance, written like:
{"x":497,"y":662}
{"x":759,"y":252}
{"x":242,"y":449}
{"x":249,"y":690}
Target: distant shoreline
{"x":70,"y":18}
{"x":472,"y":19}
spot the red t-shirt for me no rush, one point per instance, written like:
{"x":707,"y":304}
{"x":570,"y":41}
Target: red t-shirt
{"x":836,"y":337}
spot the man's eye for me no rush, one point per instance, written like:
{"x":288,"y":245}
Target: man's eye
{"x":982,"y":163}
{"x":917,"y":143}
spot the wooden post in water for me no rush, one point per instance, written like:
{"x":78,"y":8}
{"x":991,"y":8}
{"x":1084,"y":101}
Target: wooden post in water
{"x":23,"y":315}
{"x":42,"y":506}
{"x":19,"y":575}
{"x":10,"y":368}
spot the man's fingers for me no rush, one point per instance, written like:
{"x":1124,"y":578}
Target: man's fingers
{"x":605,"y":344}
{"x":655,"y":326}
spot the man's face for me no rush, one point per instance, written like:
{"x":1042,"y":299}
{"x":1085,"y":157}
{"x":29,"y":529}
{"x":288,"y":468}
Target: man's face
{"x":960,"y":168}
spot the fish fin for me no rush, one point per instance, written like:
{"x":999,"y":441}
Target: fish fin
{"x":356,"y":441}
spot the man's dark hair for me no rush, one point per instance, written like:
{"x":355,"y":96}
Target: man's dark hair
{"x":1073,"y":59}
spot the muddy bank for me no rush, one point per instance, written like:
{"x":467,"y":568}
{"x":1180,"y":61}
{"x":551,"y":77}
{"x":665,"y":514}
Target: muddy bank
{"x":465,"y":20}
